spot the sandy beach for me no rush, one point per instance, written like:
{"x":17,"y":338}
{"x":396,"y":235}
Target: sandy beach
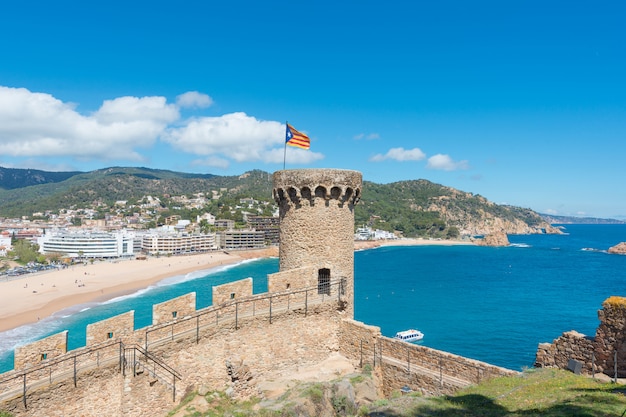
{"x":370,"y":244}
{"x":32,"y":297}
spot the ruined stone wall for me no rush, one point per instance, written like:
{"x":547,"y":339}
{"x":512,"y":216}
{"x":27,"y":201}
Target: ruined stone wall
{"x":41,"y":350}
{"x":231,"y":291}
{"x":569,"y":346}
{"x":610,"y":340}
{"x":177,"y":308}
{"x":316,"y":210}
{"x":596,"y":354}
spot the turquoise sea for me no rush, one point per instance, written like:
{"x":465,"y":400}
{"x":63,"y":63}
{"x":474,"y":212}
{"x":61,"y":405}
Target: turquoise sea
{"x":490,"y":304}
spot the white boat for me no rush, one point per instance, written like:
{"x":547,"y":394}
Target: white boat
{"x":410,"y":335}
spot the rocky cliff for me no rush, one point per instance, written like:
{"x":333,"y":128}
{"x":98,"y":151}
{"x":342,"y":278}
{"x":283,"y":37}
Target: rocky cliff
{"x":494,"y":239}
{"x":619,"y":249}
{"x":475,"y":215}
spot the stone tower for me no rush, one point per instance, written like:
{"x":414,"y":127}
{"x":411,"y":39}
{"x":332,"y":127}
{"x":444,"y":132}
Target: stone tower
{"x":316,"y":209}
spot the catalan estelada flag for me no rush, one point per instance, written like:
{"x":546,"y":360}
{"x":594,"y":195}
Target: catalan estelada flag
{"x":297,"y":139}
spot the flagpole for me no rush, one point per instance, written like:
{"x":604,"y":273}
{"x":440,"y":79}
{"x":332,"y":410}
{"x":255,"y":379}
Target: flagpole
{"x":285,"y":153}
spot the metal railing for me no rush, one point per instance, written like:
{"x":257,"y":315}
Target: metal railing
{"x":139,"y":360}
{"x":14,"y":384}
{"x":70,"y":365}
{"x":237,"y":311}
{"x":444,"y":368}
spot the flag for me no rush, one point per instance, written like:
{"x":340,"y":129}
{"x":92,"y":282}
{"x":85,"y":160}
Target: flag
{"x":297,"y":139}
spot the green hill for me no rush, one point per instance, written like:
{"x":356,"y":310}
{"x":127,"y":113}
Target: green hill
{"x":413,"y":208}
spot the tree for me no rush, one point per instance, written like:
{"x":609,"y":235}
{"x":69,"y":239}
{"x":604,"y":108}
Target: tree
{"x":24,"y":251}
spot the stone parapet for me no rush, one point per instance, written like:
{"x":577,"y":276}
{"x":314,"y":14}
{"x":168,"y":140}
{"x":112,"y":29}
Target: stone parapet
{"x":231,"y":291}
{"x":41,"y":350}
{"x":173,"y":309}
{"x":119,"y":327}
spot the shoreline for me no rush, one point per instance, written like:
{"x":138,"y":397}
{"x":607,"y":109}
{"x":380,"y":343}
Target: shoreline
{"x":32,"y":297}
{"x":372,"y":244}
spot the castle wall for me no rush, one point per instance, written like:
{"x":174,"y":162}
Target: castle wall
{"x":119,"y":327}
{"x":292,"y":279}
{"x":231,"y":291}
{"x":41,"y":350}
{"x":358,"y":341}
{"x":176,"y":308}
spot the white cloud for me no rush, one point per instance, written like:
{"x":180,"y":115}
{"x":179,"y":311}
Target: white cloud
{"x":445,"y":163}
{"x":194,"y":99}
{"x":37,"y":124}
{"x":235,"y":136}
{"x":400,"y":154}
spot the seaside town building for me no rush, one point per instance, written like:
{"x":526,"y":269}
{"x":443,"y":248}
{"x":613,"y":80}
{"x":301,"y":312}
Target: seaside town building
{"x":224,"y":224}
{"x":241,"y":239}
{"x":269,"y":225}
{"x":367,"y":233}
{"x":81,"y":244}
{"x":163,"y":243}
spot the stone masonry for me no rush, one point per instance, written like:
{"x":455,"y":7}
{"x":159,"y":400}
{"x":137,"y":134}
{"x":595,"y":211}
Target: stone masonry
{"x":596,"y":354}
{"x":41,"y":350}
{"x":316,"y":210}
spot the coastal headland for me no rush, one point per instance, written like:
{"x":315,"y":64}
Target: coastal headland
{"x":29,"y":298}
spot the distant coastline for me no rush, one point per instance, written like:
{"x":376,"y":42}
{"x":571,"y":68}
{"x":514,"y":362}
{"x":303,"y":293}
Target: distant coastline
{"x":370,"y":244}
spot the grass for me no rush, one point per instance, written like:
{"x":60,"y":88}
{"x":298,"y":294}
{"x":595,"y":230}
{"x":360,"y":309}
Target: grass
{"x":534,"y":393}
{"x":545,"y":392}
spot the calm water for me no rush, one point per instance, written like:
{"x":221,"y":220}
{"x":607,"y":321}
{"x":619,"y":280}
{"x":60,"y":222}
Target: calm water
{"x":490,"y":304}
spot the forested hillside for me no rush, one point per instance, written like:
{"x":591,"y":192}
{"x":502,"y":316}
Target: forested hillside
{"x":413,"y":208}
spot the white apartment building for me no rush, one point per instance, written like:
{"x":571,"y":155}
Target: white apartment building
{"x":177,"y":243}
{"x":87,"y":244}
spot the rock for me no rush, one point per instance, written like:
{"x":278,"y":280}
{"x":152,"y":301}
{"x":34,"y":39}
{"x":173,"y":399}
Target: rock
{"x":494,"y":239}
{"x":619,"y":249}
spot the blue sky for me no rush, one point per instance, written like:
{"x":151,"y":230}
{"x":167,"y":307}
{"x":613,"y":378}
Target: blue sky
{"x":522,"y":102}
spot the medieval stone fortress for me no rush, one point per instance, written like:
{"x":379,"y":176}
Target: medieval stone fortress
{"x":306,"y":315}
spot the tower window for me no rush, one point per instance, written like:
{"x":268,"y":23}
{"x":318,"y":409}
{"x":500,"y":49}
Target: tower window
{"x":323,"y":281}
